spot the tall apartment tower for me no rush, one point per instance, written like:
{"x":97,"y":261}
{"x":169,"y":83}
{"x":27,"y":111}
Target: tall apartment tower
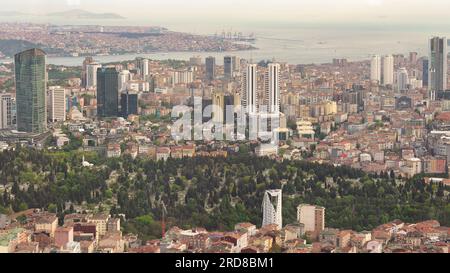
{"x":313,"y":217}
{"x":375,"y":69}
{"x":129,"y":103}
{"x":249,"y":90}
{"x":210,"y":63}
{"x":124,"y":77}
{"x":425,"y":71}
{"x":388,"y":70}
{"x":6,"y":110}
{"x":31,"y":86}
{"x":236,"y":63}
{"x":91,"y":74}
{"x":227,"y":67}
{"x":86,"y":62}
{"x":107,"y":92}
{"x":412,"y":57}
{"x":272,"y":88}
{"x":402,"y":79}
{"x":56,"y":104}
{"x":437,"y":77}
{"x":218,"y":111}
{"x":142,"y":65}
{"x":272,"y":208}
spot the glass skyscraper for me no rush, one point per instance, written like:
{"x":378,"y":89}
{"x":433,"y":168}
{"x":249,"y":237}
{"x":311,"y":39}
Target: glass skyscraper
{"x":437,"y":76}
{"x":210,"y":63}
{"x":107,"y":92}
{"x":228,"y":66}
{"x":129,"y":103}
{"x":31,"y":85}
{"x":425,"y":65}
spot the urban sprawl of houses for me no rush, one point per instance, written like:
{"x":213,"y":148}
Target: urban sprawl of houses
{"x":39,"y":232}
{"x":389,"y":114}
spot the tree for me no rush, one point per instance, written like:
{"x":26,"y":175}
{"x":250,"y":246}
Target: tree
{"x":52,"y":208}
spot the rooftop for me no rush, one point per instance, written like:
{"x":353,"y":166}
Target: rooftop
{"x":6,"y":237}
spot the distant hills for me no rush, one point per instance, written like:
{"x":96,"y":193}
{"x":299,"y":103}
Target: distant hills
{"x":69,"y":14}
{"x":11,"y":47}
{"x":83,"y":14}
{"x":13,"y":13}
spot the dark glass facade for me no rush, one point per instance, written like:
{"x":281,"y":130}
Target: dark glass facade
{"x":107,"y":92}
{"x":228,"y":66}
{"x":210,"y":63}
{"x":129,"y":103}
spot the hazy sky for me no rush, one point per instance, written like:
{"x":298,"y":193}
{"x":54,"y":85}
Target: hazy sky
{"x":315,"y":11}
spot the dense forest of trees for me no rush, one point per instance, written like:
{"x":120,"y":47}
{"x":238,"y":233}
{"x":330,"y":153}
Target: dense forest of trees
{"x":215,"y":193}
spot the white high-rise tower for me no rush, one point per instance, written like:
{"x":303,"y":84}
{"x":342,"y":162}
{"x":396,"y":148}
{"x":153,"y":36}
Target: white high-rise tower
{"x":375,"y":69}
{"x":142,"y":65}
{"x":56,"y":104}
{"x":402,"y":79}
{"x":272,"y":208}
{"x":388,"y":70}
{"x":124,"y":77}
{"x":249,"y":90}
{"x":272,"y":88}
{"x":91,"y":76}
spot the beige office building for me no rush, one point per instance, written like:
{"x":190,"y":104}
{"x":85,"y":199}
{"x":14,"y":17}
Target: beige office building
{"x":313,"y":217}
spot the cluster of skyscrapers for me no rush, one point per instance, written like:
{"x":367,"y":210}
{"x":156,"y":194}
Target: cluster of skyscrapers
{"x":231,"y":64}
{"x":382,"y":69}
{"x":434,"y":69}
{"x":264,"y":119}
{"x":35,"y":104}
{"x":250,"y":99}
{"x":114,"y":98}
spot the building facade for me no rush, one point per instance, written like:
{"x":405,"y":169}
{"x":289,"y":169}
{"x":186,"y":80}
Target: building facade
{"x":272,"y":208}
{"x":31,"y":86}
{"x":56,"y":104}
{"x":228,"y":67}
{"x":272,"y":88}
{"x":129,"y":103}
{"x":375,"y":69}
{"x":142,"y":65}
{"x":210,"y":66}
{"x":107,"y":92}
{"x":6,"y":110}
{"x":91,"y":76}
{"x":437,"y":76}
{"x":313,"y":217}
{"x":388,"y":70}
{"x":249,"y":90}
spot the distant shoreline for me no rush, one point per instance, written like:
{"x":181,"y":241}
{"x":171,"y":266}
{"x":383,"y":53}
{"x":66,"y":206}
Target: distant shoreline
{"x":108,"y":40}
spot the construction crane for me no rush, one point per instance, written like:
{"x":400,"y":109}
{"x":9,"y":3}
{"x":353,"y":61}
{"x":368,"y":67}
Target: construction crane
{"x":163,"y":220}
